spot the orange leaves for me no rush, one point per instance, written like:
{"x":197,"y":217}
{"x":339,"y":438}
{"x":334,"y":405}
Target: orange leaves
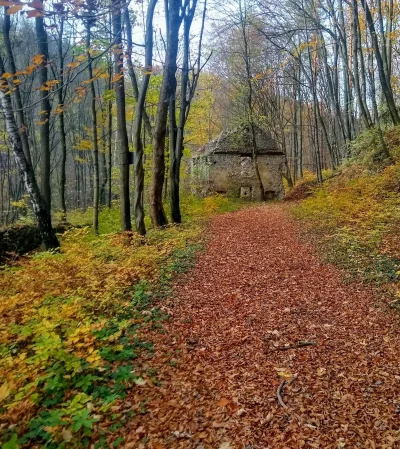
{"x":73,"y":65}
{"x":81,"y":58}
{"x":49,"y":85}
{"x":100,"y":74}
{"x":33,"y":13}
{"x":116,"y":78}
{"x":59,"y":109}
{"x":81,"y":92}
{"x":223,"y":402}
{"x":37,"y":59}
{"x":14,"y":9}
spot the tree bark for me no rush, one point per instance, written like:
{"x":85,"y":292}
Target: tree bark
{"x":246,"y":57}
{"x":109,"y":146}
{"x":39,"y":206}
{"x":363,"y":107}
{"x":60,"y":94}
{"x":137,"y":126}
{"x":131,"y":71}
{"x":18,"y":101}
{"x":126,"y":224}
{"x":158,"y":216}
{"x":43,"y":50}
{"x":96,"y":180}
{"x":176,"y":144}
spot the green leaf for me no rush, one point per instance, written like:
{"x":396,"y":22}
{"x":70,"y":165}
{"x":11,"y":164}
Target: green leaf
{"x":12,"y":443}
{"x":109,"y":95}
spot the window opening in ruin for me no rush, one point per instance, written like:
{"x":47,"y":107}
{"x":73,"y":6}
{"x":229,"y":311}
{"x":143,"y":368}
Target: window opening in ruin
{"x":245,"y":192}
{"x":270,"y":194}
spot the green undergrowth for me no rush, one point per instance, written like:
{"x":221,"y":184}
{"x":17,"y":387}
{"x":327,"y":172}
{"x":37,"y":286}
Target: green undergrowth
{"x":73,"y":328}
{"x":354,"y":217}
{"x":193,"y":208}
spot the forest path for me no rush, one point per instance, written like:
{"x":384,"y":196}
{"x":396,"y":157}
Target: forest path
{"x":257,"y":287}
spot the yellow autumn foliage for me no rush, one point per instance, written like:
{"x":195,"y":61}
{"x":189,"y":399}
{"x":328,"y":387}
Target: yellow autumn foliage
{"x":66,"y":316}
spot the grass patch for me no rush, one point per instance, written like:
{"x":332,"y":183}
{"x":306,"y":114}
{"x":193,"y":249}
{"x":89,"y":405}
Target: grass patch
{"x":355,"y":217}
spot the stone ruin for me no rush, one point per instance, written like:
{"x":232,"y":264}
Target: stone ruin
{"x":225,"y":165}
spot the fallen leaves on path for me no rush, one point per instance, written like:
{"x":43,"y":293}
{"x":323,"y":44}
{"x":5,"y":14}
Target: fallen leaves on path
{"x":254,"y":289}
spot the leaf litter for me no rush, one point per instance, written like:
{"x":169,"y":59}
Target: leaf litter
{"x":256,"y":287}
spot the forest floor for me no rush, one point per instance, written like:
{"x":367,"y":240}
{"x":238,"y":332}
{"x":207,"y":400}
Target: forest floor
{"x":256,"y":289}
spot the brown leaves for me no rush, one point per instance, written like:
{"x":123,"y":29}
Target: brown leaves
{"x":33,"y":13}
{"x":232,"y":306}
{"x":223,"y":402}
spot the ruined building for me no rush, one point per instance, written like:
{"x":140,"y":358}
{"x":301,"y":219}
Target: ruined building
{"x":225,"y":165}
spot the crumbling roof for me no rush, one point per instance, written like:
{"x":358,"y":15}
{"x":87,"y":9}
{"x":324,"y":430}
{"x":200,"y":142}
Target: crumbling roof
{"x":239,"y":141}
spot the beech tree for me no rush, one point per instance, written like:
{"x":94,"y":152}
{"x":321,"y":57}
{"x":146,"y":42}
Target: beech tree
{"x":119,"y":84}
{"x":43,"y":55}
{"x":174,"y":19}
{"x":140,"y":115}
{"x":188,"y":85}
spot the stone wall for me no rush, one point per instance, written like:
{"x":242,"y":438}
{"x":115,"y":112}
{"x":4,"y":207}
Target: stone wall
{"x":234,"y":175}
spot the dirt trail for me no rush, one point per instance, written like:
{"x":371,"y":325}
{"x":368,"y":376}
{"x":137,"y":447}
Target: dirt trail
{"x":257,"y":287}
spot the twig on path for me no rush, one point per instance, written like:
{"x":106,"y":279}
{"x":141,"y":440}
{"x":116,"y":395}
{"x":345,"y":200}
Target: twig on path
{"x":299,"y":344}
{"x":279,"y":394}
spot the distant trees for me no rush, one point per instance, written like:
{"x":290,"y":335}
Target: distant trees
{"x":314,"y":74}
{"x":321,"y":73}
{"x":77,"y":119}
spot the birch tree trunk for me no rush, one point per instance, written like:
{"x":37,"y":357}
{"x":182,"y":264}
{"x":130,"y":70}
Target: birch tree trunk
{"x":39,"y":206}
{"x":18,"y":101}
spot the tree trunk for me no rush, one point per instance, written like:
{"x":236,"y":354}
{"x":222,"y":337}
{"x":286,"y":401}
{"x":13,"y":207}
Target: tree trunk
{"x":96,"y":180}
{"x":137,"y":126}
{"x":39,"y":206}
{"x":126,"y":224}
{"x":41,"y":36}
{"x":174,"y":21}
{"x":246,"y":57}
{"x":102,"y":155}
{"x":18,"y":101}
{"x":60,"y":93}
{"x":363,"y":107}
{"x":109,"y":145}
{"x":131,"y":71}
